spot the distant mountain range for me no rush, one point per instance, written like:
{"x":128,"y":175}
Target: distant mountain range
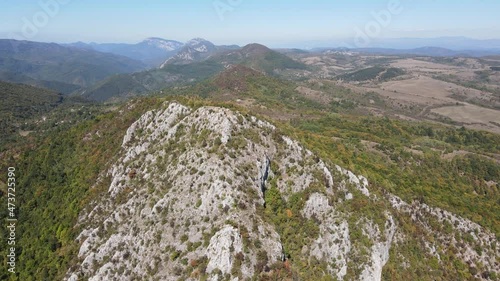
{"x":151,"y":51}
{"x":452,"y":43}
{"x":158,"y":52}
{"x":441,"y":46}
{"x":423,"y":51}
{"x":115,"y":70}
{"x":59,"y":67}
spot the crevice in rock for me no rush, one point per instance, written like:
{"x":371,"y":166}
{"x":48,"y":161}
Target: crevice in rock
{"x":263,"y":175}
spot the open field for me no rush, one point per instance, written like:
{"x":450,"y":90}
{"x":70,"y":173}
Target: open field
{"x":422,"y":66}
{"x":456,"y":91}
{"x":420,"y":88}
{"x":472,"y":116}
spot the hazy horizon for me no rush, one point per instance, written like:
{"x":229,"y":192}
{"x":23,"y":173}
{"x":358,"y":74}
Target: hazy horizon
{"x":277,"y":24}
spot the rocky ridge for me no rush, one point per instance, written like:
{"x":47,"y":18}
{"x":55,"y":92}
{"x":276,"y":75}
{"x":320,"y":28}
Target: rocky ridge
{"x":194,"y":50}
{"x":189,"y":198}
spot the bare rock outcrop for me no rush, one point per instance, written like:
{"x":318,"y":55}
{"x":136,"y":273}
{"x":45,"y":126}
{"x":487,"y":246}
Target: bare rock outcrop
{"x":186,"y":201}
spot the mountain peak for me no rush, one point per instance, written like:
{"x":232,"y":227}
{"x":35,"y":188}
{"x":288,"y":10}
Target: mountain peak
{"x":153,"y":40}
{"x":196,"y":49}
{"x":196,"y":41}
{"x":255,"y":48}
{"x":163,"y":44}
{"x":200,"y":45}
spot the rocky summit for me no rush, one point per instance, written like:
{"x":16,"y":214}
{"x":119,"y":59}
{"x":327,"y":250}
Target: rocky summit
{"x":208,"y":193}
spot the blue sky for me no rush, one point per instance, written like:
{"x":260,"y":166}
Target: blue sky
{"x":276,"y":22}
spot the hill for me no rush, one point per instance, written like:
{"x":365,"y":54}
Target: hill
{"x":23,"y":101}
{"x":198,"y":189}
{"x":253,"y":89}
{"x":259,"y":57}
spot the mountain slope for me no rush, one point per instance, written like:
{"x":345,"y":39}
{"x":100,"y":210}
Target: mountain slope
{"x":118,"y":86}
{"x":208,"y":193}
{"x":52,"y":62}
{"x":17,"y":77}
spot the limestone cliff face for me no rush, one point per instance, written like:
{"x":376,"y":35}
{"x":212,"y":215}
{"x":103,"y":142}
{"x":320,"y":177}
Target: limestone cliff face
{"x":186,"y":200}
